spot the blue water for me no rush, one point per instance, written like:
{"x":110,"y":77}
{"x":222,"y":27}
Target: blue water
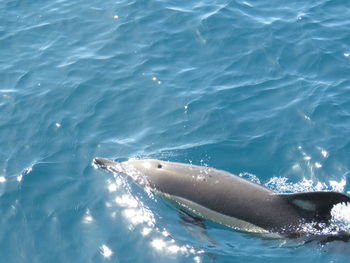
{"x":257,"y":88}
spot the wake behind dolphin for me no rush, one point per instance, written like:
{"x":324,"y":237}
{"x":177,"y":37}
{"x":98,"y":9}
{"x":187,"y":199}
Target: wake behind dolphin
{"x":230,"y":200}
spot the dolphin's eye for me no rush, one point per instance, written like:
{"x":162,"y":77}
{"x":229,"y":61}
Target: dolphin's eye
{"x":159,"y":165}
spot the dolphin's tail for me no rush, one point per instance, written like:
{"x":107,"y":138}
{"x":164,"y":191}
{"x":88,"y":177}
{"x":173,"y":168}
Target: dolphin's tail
{"x":315,"y":206}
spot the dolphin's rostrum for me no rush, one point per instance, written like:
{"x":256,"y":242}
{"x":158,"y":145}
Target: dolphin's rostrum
{"x":231,"y":200}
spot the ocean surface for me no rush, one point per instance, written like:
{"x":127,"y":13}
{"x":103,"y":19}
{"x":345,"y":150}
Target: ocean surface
{"x":258,"y":88}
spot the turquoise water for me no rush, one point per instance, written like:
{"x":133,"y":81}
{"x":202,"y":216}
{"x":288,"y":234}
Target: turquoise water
{"x":257,"y":88}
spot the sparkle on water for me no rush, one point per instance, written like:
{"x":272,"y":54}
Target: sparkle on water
{"x":257,"y":88}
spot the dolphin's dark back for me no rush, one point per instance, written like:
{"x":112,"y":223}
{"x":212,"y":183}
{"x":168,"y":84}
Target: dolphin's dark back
{"x":230,"y":195}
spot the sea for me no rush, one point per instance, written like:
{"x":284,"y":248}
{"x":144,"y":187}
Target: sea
{"x":259,"y":88}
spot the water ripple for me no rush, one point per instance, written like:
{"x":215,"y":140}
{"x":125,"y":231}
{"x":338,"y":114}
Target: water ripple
{"x":258,"y":88}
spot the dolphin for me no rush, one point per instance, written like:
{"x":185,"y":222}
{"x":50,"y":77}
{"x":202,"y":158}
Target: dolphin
{"x":230,"y":200}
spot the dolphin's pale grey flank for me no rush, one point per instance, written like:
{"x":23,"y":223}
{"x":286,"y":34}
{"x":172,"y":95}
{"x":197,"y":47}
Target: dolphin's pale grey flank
{"x":228,"y":199}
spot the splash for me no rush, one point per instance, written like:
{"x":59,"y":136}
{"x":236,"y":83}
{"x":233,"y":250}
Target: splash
{"x":341,"y":216}
{"x":250,"y":177}
{"x":282,"y":184}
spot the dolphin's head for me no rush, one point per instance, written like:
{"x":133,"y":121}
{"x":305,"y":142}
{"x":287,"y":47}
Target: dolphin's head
{"x":147,"y":170}
{"x":142,"y":166}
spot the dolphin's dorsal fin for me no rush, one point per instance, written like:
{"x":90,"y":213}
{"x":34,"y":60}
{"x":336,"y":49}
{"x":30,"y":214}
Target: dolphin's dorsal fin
{"x":316,"y":205}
